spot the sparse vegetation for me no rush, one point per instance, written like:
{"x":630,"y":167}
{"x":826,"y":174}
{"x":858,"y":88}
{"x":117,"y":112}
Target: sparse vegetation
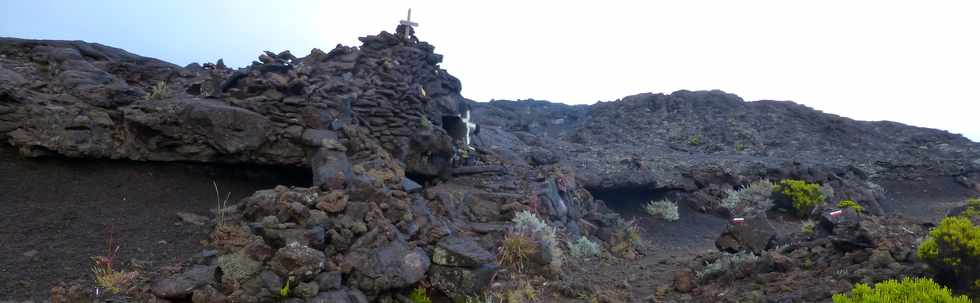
{"x":972,"y":208}
{"x":953,"y":250}
{"x":628,"y":239}
{"x":220,"y":221}
{"x":749,"y":201}
{"x":525,"y":292}
{"x":725,"y":263}
{"x":158,"y":91}
{"x":804,"y":196}
{"x":489,"y":297}
{"x":516,"y":251}
{"x":739,"y":147}
{"x":908,"y":290}
{"x":584,"y":247}
{"x":664,"y":208}
{"x":694,"y":140}
{"x":284,"y":291}
{"x":106,"y":276}
{"x":809,"y":227}
{"x":850,"y":204}
{"x":419,"y":295}
{"x":535,"y":229}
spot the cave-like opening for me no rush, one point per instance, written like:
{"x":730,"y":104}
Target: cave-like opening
{"x":60,"y":212}
{"x":693,"y":229}
{"x":455,"y":127}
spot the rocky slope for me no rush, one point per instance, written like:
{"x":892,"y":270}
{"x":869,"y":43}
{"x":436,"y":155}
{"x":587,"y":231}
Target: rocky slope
{"x":694,"y":142}
{"x":398,"y":199}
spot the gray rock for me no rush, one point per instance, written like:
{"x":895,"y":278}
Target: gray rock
{"x":388,"y":266}
{"x":340,"y":296}
{"x":459,"y":282}
{"x":460,"y":251}
{"x":331,"y":169}
{"x":330,"y":280}
{"x":410,"y":186}
{"x":193,"y":218}
{"x":753,"y":234}
{"x":299,"y":261}
{"x":238,"y":266}
{"x":181,"y":285}
{"x":307,"y":289}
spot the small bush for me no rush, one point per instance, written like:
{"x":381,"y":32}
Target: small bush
{"x":725,"y":263}
{"x":158,"y":91}
{"x":627,"y":239}
{"x":524,"y":293}
{"x":584,"y":248}
{"x":106,"y":276}
{"x":749,"y":201}
{"x":694,"y":140}
{"x":851,"y":204}
{"x":528,"y":224}
{"x":809,"y":227}
{"x":516,"y":251}
{"x":953,"y":250}
{"x":805,"y":196}
{"x":909,"y":290}
{"x":664,"y":208}
{"x":419,"y":295}
{"x":972,"y":208}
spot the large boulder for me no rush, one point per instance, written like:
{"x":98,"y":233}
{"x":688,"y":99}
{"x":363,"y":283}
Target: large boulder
{"x":380,"y":265}
{"x":460,"y":282}
{"x":460,"y":251}
{"x":753,"y":234}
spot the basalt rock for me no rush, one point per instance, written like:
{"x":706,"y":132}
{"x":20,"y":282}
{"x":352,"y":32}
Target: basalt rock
{"x":691,"y":141}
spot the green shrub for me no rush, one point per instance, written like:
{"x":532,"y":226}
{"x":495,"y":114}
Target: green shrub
{"x":953,"y":250}
{"x":664,"y":208}
{"x":419,"y":296}
{"x":972,"y":208}
{"x":850,"y":204}
{"x":805,"y":196}
{"x":751,"y":200}
{"x":694,"y":140}
{"x":809,"y":227}
{"x":584,"y":248}
{"x":918,"y":290}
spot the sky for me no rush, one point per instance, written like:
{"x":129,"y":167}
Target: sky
{"x":914,"y":62}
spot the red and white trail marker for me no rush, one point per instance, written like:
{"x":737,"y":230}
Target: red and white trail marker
{"x":738,"y":220}
{"x":836,"y":213}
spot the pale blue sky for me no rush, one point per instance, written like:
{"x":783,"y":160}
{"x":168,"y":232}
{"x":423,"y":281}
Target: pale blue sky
{"x":914,"y":62}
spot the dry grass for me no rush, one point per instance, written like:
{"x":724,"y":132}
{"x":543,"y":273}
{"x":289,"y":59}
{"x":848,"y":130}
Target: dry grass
{"x":108,"y":278}
{"x":516,"y":251}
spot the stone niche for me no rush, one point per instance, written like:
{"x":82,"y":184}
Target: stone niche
{"x":455,"y":127}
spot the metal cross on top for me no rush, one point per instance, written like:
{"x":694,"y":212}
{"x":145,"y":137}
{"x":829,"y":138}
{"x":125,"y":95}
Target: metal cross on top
{"x":408,"y":22}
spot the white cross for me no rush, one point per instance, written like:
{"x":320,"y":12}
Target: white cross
{"x":408,"y":22}
{"x":470,"y":126}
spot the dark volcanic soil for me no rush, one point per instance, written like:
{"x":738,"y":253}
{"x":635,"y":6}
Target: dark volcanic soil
{"x":63,"y":209}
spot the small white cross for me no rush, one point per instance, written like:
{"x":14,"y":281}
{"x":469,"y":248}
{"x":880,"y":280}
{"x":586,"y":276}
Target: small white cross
{"x":470,"y":126}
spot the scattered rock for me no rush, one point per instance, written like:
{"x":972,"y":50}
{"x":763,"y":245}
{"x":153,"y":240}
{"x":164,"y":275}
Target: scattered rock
{"x":460,"y":251}
{"x":299,"y":261}
{"x":181,"y":285}
{"x":193,"y":218}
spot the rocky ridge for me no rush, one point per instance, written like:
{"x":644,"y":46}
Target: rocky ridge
{"x":398,"y":199}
